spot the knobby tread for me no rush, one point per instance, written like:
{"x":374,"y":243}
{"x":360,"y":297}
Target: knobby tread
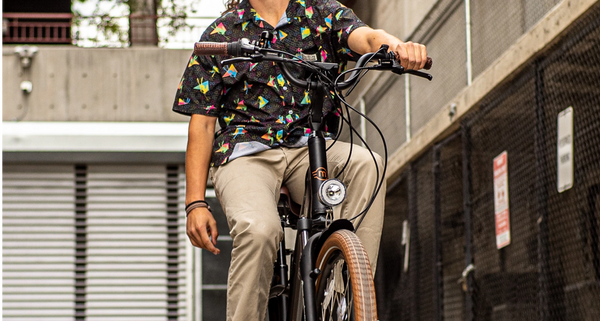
{"x":359,"y":269}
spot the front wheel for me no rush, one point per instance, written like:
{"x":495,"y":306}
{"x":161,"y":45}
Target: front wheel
{"x":345,"y":290}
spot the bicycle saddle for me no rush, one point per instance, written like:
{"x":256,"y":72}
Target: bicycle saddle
{"x":286,"y":202}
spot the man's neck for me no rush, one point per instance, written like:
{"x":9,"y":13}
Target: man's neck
{"x":270,"y":10}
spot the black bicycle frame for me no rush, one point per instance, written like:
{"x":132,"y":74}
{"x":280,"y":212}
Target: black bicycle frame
{"x":312,"y":220}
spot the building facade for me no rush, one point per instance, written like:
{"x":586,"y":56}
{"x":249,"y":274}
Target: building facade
{"x":93,"y":172}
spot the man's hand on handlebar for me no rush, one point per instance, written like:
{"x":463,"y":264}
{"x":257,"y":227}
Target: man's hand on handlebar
{"x":202,"y":230}
{"x":412,"y":56}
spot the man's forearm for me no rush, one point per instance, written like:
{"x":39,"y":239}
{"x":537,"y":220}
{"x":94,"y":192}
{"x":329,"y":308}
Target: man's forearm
{"x":198,"y":156}
{"x":365,"y":39}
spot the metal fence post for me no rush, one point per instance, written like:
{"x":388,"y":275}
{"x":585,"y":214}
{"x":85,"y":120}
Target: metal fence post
{"x":542,"y":193}
{"x":467,"y":191}
{"x":437,"y":245}
{"x":413,"y":217}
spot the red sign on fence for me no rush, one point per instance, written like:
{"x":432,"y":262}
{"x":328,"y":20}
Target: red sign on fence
{"x":501,"y":200}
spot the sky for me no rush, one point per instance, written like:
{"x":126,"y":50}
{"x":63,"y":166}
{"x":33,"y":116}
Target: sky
{"x":203,"y":14}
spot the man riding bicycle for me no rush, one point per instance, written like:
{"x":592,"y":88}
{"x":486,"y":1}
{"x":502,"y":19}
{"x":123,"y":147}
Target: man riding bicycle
{"x":264,"y":129}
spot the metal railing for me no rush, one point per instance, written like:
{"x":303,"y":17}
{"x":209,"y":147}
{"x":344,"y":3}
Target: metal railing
{"x":164,"y":31}
{"x":36,"y":27}
{"x":65,"y":28}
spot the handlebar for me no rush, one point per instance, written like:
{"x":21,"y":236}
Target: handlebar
{"x":236,"y":49}
{"x":244,"y":50}
{"x":428,"y":64}
{"x":242,"y":46}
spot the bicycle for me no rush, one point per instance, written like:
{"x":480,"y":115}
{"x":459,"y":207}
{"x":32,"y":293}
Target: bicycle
{"x":330,"y":276}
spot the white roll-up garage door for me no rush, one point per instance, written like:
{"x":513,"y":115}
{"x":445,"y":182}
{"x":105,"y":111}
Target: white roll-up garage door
{"x":96,"y":242}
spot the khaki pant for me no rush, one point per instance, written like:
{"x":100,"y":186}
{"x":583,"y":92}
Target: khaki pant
{"x":248,"y":189}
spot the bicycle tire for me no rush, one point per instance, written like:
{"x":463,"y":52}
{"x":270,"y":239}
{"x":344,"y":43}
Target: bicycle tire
{"x":343,"y":258}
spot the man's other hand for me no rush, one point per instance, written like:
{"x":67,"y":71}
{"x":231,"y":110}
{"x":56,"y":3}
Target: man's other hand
{"x":202,"y":230}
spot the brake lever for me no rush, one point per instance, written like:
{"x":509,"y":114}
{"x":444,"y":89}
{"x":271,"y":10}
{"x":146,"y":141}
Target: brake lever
{"x":398,"y":69}
{"x":235,"y":60}
{"x":259,"y":57}
{"x":419,"y":74}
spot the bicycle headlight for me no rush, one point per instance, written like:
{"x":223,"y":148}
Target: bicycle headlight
{"x":332,"y":192}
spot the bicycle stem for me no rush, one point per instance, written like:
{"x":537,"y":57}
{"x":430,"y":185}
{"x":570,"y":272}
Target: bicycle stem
{"x":318,"y":172}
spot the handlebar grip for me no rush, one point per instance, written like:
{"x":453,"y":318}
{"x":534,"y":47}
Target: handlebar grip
{"x":428,"y":63}
{"x":427,"y":66}
{"x":210,"y":48}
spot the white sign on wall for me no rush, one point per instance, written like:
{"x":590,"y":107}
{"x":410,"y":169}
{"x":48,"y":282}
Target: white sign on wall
{"x":564,"y":150}
{"x":501,"y":208}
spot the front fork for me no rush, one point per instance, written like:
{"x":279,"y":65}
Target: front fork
{"x":291,"y":306}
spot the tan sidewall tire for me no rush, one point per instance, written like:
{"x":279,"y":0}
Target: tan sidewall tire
{"x":361,"y":278}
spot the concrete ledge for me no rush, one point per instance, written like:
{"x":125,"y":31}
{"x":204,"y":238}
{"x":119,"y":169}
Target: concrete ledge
{"x":121,"y":158}
{"x":94,"y":137}
{"x":546,"y":32}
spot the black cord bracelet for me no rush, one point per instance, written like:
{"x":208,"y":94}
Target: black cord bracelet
{"x":194,"y":205}
{"x":195,"y":202}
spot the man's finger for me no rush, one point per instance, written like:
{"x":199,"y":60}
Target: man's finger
{"x":410,"y":48}
{"x":402,"y":55}
{"x":423,"y":52}
{"x":193,"y":238}
{"x":214,"y":232}
{"x":206,"y":243}
{"x":199,"y":238}
{"x":418,"y":59}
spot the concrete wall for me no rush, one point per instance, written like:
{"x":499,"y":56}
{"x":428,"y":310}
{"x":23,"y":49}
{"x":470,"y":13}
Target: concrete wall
{"x":82,"y":84}
{"x":499,"y":24}
{"x":534,"y":43}
{"x":470,"y":42}
{"x":399,"y":18}
{"x":441,"y":26}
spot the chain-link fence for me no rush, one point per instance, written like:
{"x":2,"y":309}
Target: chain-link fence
{"x":504,"y":214}
{"x":505,"y":284}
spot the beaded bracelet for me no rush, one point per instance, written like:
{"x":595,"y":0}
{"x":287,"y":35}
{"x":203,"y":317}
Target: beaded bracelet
{"x":194,"y":205}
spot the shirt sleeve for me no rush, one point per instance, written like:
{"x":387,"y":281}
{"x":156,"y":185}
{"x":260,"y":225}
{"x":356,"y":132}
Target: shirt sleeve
{"x":342,"y":21}
{"x":201,"y":86}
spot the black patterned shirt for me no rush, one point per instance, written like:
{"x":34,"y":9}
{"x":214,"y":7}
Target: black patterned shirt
{"x":257,"y":108}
